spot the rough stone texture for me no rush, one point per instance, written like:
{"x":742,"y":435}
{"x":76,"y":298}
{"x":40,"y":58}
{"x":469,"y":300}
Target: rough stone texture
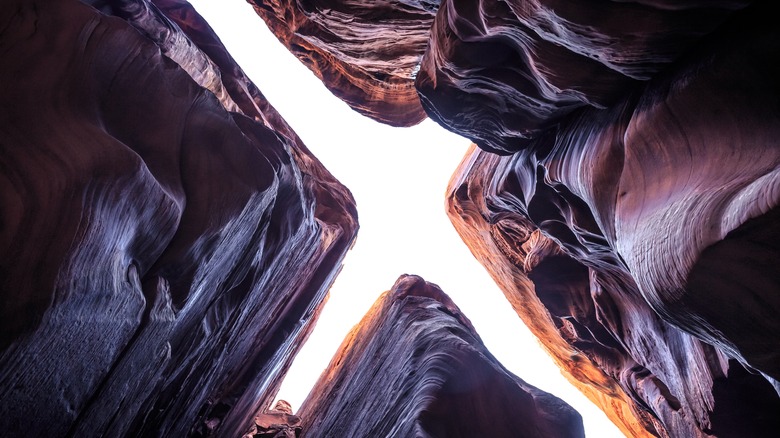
{"x":415,"y":366}
{"x":365,"y":52}
{"x":278,"y":422}
{"x":641,"y":242}
{"x":165,"y":248}
{"x":501,"y":72}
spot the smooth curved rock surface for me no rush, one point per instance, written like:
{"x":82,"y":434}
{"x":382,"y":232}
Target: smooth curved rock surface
{"x":167,"y":240}
{"x":640,"y":242}
{"x":365,"y":52}
{"x":415,"y":366}
{"x":502,"y":72}
{"x":580,"y":300}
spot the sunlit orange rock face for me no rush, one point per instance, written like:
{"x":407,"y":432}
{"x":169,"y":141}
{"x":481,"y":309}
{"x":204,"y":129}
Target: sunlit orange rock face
{"x":415,"y":366}
{"x":641,"y":241}
{"x":365,"y":52}
{"x":166,"y":238}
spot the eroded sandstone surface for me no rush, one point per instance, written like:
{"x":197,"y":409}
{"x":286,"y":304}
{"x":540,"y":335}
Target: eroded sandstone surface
{"x":415,"y":366}
{"x":640,"y":241}
{"x":634,"y":223}
{"x":649,"y":376}
{"x":502,"y":72}
{"x":366,"y":52}
{"x":166,"y":238}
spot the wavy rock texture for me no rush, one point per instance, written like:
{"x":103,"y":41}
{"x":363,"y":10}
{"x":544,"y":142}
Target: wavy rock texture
{"x":415,"y":366}
{"x":167,"y":240}
{"x":501,"y":72}
{"x":365,"y":52}
{"x":641,"y":242}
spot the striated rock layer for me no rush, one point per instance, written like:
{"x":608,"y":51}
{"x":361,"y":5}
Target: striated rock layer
{"x":501,"y":72}
{"x":167,"y":240}
{"x":640,"y":242}
{"x":650,"y":377}
{"x":365,"y":52}
{"x":415,"y":366}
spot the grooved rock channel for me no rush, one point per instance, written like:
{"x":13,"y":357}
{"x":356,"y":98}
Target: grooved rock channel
{"x":167,"y":240}
{"x":415,"y":366}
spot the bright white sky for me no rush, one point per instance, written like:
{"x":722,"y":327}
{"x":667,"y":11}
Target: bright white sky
{"x":398,"y":177}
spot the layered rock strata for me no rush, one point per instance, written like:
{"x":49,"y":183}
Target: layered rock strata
{"x":167,"y":240}
{"x":502,"y":72}
{"x":640,"y":241}
{"x":649,"y":376}
{"x":365,"y":52}
{"x":415,"y":366}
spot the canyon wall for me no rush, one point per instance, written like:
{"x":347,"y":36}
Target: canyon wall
{"x":640,"y":241}
{"x":167,"y":239}
{"x":415,"y":366}
{"x":365,"y":52}
{"x":577,"y":296}
{"x":502,"y":72}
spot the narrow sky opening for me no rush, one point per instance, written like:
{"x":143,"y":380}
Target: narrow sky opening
{"x":398,"y":177}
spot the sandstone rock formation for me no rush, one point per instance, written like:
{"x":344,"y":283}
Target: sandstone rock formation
{"x":635,"y":228}
{"x":650,"y":377}
{"x":415,"y":366}
{"x":278,"y":422}
{"x":166,"y":238}
{"x":366,"y":52}
{"x":641,"y":241}
{"x":501,"y":72}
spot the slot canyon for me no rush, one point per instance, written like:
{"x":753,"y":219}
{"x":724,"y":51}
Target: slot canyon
{"x":169,"y":241}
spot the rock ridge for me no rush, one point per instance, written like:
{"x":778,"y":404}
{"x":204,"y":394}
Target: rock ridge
{"x":167,"y":239}
{"x":436,"y":377}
